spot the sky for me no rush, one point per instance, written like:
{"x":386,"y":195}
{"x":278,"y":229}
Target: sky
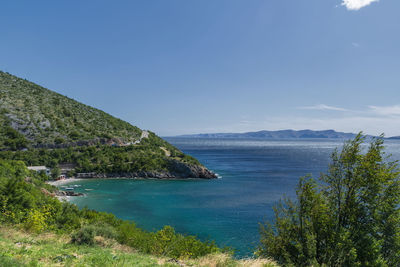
{"x":186,"y":66}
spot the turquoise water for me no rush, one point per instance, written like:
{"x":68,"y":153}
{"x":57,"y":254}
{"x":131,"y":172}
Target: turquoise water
{"x":255,"y":174}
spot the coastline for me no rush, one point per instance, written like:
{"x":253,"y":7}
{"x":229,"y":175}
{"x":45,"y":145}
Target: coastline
{"x":61,"y":183}
{"x":65,"y":182}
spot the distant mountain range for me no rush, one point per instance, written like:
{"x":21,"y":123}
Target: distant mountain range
{"x":282,"y":134}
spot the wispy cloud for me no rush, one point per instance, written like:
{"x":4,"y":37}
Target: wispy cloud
{"x":386,"y":110}
{"x":356,"y":45}
{"x":357,"y":4}
{"x":323,"y":107}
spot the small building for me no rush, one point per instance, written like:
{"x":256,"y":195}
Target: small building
{"x":43,"y":169}
{"x":66,"y":168}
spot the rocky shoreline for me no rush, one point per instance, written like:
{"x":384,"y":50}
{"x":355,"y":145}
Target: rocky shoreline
{"x":179,"y":170}
{"x":62,"y":195}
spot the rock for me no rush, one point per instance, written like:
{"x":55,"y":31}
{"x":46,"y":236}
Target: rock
{"x":183,"y":170}
{"x":68,"y":194}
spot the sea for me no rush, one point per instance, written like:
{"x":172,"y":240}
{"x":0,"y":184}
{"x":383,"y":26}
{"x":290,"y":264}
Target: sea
{"x":254,"y":175}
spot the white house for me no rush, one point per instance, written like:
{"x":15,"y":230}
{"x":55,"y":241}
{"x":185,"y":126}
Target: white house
{"x":40,"y":169}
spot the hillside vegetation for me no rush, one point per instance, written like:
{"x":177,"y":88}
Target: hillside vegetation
{"x":46,"y":117}
{"x":42,"y":127}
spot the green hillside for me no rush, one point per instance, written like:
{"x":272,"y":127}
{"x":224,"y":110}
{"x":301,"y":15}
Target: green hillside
{"x":46,"y":117}
{"x":42,"y":127}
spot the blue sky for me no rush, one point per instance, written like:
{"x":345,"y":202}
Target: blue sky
{"x":186,"y":66}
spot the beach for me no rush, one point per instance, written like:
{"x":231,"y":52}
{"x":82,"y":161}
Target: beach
{"x":63,"y":182}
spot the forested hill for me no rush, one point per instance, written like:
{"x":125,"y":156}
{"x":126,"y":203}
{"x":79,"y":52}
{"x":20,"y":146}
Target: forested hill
{"x":43,"y":127}
{"x":46,"y":117}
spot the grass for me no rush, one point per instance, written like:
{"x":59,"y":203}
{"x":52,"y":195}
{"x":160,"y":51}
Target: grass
{"x":223,"y":260}
{"x":20,"y":248}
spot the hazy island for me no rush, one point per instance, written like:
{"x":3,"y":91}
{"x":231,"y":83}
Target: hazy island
{"x":281,"y":134}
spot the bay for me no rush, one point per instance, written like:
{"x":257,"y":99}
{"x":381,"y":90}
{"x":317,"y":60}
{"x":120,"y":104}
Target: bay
{"x":254,"y":175}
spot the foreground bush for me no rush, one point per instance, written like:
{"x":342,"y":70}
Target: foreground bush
{"x":164,"y":242}
{"x":350,"y":219}
{"x":85,"y":235}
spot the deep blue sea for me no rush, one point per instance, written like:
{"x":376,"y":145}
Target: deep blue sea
{"x":254,"y":175}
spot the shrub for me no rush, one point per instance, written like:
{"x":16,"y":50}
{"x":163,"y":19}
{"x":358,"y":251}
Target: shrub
{"x":105,"y":230}
{"x":84,"y":236}
{"x":6,"y":215}
{"x":37,"y":220}
{"x":164,"y":242}
{"x":59,"y":140}
{"x":68,"y":218}
{"x":352,"y":219}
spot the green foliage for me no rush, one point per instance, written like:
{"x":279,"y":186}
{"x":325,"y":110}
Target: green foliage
{"x":74,"y":135}
{"x":351,"y":219}
{"x":102,"y":158}
{"x":105,"y":230}
{"x":59,"y":140}
{"x":55,"y":172}
{"x":13,"y":139}
{"x":9,"y":261}
{"x":84,"y":236}
{"x":38,"y":219}
{"x":164,"y":242}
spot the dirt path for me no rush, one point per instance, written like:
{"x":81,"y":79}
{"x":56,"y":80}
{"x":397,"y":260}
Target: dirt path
{"x":167,"y":153}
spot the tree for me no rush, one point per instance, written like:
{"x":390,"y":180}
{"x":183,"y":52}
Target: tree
{"x":351,"y":218}
{"x":55,"y":172}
